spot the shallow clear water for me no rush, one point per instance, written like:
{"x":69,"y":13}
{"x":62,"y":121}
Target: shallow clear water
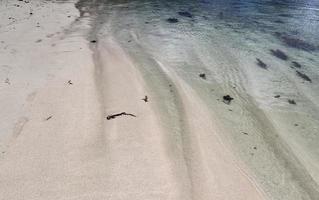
{"x":223,"y":39}
{"x":243,"y":28}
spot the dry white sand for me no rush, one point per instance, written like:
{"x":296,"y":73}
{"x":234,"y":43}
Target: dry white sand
{"x":56,"y":142}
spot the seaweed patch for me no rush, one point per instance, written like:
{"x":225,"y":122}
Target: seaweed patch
{"x":291,"y":101}
{"x":303,"y":76}
{"x":279,"y":54}
{"x":261,"y":64}
{"x":296,"y":64}
{"x":185,"y":14}
{"x":172,"y":20}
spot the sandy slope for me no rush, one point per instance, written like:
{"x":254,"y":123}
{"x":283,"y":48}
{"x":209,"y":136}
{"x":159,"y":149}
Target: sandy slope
{"x":56,"y":142}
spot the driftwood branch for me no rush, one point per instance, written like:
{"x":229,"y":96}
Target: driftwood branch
{"x":109,"y":117}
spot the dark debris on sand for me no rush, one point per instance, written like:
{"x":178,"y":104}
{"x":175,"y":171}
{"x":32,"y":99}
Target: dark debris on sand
{"x":227,"y":99}
{"x":7,"y":81}
{"x":303,"y":76}
{"x":261,"y":64}
{"x":48,"y":118}
{"x":279,"y":54}
{"x":145,"y":99}
{"x":172,"y":20}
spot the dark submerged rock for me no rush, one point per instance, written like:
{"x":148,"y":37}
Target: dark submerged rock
{"x":185,"y":14}
{"x":261,"y":64}
{"x":298,"y":44}
{"x":291,"y":101}
{"x":296,"y":64}
{"x":279,"y":54}
{"x":303,"y":76}
{"x":203,"y":76}
{"x":227,"y":99}
{"x":295,"y":42}
{"x":172,"y":20}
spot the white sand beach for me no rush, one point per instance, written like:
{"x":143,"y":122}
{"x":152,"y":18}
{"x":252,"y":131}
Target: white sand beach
{"x":82,"y":118}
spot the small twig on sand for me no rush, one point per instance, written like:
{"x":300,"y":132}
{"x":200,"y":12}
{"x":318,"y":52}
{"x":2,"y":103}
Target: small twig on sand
{"x":48,"y":118}
{"x":109,"y":117}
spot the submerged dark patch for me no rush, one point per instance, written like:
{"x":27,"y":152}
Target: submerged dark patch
{"x":220,"y":15}
{"x":295,"y":42}
{"x":172,"y":20}
{"x":261,"y":64}
{"x":291,"y":101}
{"x":279,"y":21}
{"x":285,"y":15}
{"x":296,"y":64}
{"x":203,"y":76}
{"x":279,"y":54}
{"x":303,"y":76}
{"x":185,"y":14}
